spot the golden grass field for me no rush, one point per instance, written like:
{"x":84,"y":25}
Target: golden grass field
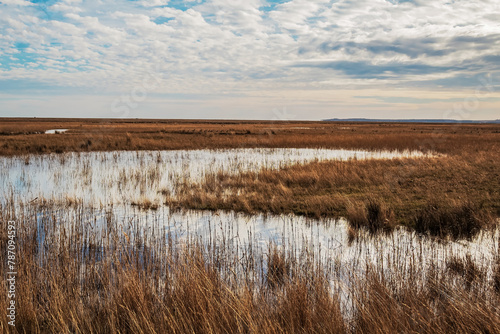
{"x":20,"y":136}
{"x":77,"y":281}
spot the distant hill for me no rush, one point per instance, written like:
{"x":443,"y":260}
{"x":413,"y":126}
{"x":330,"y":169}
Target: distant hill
{"x":412,"y":120}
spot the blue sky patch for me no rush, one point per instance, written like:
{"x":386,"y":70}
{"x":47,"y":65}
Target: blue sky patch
{"x":162,"y":20}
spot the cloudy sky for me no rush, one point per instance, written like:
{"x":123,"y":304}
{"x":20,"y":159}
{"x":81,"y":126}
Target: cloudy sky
{"x":250,"y":59}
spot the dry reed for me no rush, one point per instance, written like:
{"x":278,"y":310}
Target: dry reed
{"x":73,"y":278}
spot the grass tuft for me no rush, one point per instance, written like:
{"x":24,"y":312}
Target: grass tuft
{"x":463,"y":220}
{"x":145,"y":204}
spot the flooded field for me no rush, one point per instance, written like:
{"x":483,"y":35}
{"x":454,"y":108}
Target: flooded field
{"x":84,"y":205}
{"x":105,"y":178}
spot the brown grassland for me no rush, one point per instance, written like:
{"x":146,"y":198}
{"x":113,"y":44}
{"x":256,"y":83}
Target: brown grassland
{"x":75,"y":280}
{"x":21,"y":136}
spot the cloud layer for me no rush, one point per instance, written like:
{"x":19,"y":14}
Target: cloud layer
{"x":263,"y":53}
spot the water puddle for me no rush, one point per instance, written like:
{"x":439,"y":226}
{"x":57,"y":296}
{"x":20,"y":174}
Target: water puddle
{"x":55,"y":131}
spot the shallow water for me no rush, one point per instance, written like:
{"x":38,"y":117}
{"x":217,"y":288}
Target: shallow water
{"x":55,"y":131}
{"x":105,"y":178}
{"x":325,"y":241}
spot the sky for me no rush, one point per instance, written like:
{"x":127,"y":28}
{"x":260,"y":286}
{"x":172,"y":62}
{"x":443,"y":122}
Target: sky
{"x":250,"y":59}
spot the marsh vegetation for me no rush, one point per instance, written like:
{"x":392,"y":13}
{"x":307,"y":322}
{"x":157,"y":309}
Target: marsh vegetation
{"x":96,"y":270}
{"x":314,"y":228}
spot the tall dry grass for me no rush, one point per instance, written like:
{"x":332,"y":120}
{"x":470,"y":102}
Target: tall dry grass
{"x":76,"y":277}
{"x":448,"y":196}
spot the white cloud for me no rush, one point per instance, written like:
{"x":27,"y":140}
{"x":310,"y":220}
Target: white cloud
{"x":242,"y":47}
{"x":154,"y":3}
{"x":15,"y":2}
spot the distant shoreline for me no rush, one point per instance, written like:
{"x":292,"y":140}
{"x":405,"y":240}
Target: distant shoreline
{"x":371,"y":120}
{"x":240,"y":121}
